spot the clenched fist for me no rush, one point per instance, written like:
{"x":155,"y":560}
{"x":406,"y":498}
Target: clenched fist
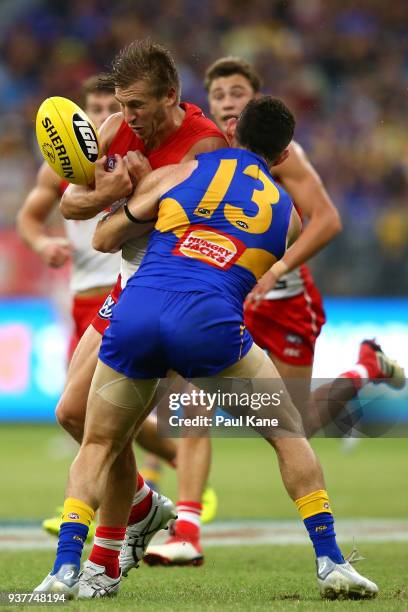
{"x":54,"y":251}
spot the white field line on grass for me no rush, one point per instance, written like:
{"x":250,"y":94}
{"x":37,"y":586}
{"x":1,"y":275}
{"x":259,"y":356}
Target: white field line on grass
{"x":237,"y":533}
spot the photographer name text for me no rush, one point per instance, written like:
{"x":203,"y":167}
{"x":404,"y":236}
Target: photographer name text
{"x":222,"y":421}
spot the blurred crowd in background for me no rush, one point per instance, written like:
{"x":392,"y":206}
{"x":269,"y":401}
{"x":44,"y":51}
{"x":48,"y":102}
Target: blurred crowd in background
{"x":341,"y":66}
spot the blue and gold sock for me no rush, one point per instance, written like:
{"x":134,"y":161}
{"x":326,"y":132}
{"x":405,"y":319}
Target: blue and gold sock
{"x":315,"y":511}
{"x":76,"y":518}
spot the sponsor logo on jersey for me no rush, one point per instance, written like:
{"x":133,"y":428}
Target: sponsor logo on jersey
{"x":209,"y":245}
{"x":86,"y":137}
{"x":105,"y":312}
{"x":110,"y":163}
{"x":281,"y":284}
{"x":59,"y":147}
{"x":242,"y":224}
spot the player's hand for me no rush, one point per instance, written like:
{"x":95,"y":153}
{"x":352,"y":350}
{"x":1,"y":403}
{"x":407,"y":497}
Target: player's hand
{"x":138,"y":165}
{"x":54,"y":251}
{"x":112,"y":185}
{"x":262,"y":287}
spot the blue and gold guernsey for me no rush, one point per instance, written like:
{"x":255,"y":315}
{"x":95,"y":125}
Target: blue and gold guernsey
{"x":217,"y":232}
{"x":222,"y":228}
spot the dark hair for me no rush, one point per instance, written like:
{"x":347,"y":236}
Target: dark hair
{"x":265,"y":127}
{"x":227,"y":66}
{"x":144,"y":59}
{"x":99,"y":84}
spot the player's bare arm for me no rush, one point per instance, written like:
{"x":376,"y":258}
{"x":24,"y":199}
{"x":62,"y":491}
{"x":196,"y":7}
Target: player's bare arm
{"x":116,"y":229}
{"x":305,"y":187}
{"x":294,"y":229}
{"x":80,"y":202}
{"x":32,"y":217}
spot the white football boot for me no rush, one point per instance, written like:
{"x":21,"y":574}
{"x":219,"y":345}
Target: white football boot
{"x":94,"y":583}
{"x":65,"y":581}
{"x":342,"y":581}
{"x":175,"y":551}
{"x":139,"y":535}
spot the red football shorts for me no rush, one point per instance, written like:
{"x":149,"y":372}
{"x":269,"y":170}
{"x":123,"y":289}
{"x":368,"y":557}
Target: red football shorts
{"x":83,"y":311}
{"x":102,"y":318}
{"x":288,"y":328}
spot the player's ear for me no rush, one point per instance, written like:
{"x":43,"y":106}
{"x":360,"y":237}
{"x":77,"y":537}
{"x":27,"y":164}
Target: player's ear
{"x":171,"y":97}
{"x":231,"y":128}
{"x":284,"y":155}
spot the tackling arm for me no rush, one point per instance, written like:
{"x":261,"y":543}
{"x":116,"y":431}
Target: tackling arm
{"x":116,"y":229}
{"x":32,"y":217}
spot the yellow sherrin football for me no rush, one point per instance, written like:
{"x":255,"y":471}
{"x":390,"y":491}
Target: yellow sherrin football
{"x":68,"y":140}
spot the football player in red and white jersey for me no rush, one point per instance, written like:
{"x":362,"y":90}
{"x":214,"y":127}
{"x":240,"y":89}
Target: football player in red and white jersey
{"x":284,"y":315}
{"x":92,"y":273}
{"x":152,"y":130}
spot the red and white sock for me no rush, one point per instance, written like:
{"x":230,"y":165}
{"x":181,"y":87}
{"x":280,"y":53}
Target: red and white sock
{"x":142,"y":501}
{"x":105,"y":551}
{"x":188,"y":522}
{"x":371,"y":365}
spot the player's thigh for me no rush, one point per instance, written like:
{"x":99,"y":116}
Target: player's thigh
{"x":255,"y":364}
{"x":288,"y":370}
{"x":265,"y":380}
{"x":116,"y":405}
{"x":297,"y":379}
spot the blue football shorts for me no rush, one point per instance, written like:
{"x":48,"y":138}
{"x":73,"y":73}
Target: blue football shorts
{"x":197,"y":334}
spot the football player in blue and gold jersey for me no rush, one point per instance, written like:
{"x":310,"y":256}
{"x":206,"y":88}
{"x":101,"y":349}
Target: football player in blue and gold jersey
{"x":221,"y":223}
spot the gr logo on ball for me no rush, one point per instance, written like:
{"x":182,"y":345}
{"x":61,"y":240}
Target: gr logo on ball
{"x":86,"y":137}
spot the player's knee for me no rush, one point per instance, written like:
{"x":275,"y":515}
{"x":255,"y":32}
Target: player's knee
{"x":106,"y":447}
{"x":69,"y":419}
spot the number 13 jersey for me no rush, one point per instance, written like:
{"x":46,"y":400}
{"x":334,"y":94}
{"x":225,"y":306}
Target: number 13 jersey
{"x":223,"y":227}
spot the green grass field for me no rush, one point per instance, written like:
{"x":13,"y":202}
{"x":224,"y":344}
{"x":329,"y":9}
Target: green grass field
{"x":369,"y":482}
{"x":251,"y":578}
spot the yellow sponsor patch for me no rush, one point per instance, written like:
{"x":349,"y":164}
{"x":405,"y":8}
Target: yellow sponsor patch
{"x":215,"y":248}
